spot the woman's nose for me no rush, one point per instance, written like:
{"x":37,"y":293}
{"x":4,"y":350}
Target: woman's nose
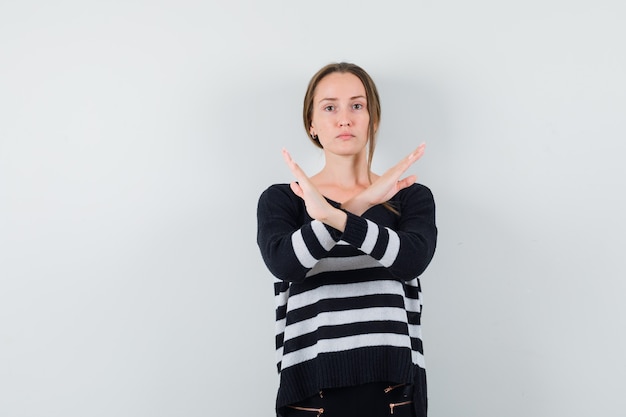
{"x":344,"y":120}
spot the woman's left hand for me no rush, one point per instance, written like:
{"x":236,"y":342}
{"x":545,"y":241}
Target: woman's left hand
{"x":386,"y":186}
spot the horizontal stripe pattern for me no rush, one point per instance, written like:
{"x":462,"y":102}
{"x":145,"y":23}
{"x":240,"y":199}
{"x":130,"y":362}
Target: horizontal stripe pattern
{"x":312,"y":321}
{"x":344,"y":344}
{"x":337,"y":318}
{"x":343,"y":264}
{"x":327,"y":318}
{"x":344,"y":291}
{"x":348,"y":303}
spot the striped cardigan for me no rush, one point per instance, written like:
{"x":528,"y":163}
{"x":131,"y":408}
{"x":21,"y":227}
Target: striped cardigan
{"x":348,"y":304}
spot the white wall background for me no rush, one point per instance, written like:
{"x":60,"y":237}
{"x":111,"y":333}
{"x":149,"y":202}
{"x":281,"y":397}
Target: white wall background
{"x":136,"y":136}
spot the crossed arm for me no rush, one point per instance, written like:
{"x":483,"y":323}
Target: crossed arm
{"x":380,"y":191}
{"x":291,"y":245}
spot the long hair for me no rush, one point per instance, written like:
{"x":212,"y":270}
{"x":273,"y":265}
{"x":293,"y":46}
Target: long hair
{"x":373,"y":103}
{"x":373,"y":108}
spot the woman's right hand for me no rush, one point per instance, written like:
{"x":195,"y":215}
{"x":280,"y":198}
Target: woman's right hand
{"x":316,"y":205}
{"x":386,"y":186}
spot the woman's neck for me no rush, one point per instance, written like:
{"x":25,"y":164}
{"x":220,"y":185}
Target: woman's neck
{"x":342,"y":177}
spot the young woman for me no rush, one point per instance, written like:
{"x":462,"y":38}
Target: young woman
{"x":347,"y":247}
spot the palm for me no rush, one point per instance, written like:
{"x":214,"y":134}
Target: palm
{"x":316,"y":205}
{"x":388,"y":184}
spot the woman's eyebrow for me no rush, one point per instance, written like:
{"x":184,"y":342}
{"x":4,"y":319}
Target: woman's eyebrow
{"x":335,"y":99}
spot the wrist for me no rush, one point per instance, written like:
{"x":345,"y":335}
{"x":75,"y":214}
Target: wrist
{"x":357,"y":205}
{"x":336,"y":219}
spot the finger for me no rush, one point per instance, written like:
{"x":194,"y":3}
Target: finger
{"x":297,"y":190}
{"x":417,"y":153}
{"x":406,"y":182}
{"x":293,"y":166}
{"x":287,"y":157}
{"x":412,"y":157}
{"x":405,"y":163}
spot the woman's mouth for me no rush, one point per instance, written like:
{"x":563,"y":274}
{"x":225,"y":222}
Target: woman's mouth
{"x":345,"y":136}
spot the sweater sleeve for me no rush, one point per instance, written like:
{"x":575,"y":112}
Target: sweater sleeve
{"x":291,"y":243}
{"x":407,"y":250}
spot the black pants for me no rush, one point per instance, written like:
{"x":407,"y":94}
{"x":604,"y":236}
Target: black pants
{"x":369,"y":400}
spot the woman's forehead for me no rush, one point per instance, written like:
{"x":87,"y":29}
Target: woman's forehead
{"x":339,"y":86}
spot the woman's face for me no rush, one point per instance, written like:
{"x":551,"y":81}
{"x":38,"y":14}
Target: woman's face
{"x":340,"y":116}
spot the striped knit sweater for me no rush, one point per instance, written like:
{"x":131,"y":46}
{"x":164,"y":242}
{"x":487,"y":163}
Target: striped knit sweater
{"x":348,"y":304}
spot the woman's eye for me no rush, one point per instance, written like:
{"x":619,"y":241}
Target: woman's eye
{"x":357,"y":106}
{"x":329,"y":108}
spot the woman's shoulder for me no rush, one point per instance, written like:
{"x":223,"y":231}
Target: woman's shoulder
{"x":279,"y":200}
{"x":416,"y":191}
{"x":280,"y":194}
{"x":277,"y":188}
{"x":277,"y":191}
{"x":416,"y":200}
